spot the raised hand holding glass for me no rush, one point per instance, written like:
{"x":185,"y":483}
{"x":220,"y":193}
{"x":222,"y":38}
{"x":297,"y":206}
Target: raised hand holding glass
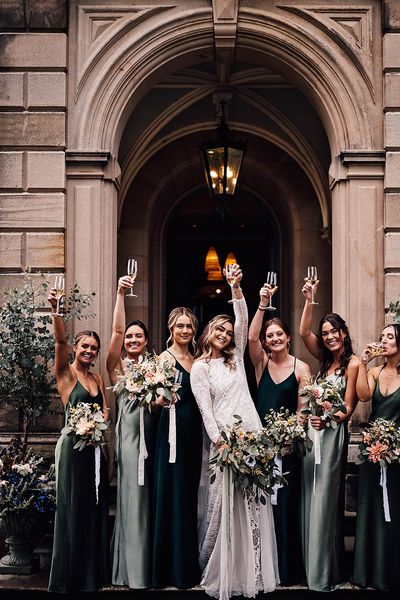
{"x":312,"y":276}
{"x":132,"y":272}
{"x":59,"y":286}
{"x":271,"y":281}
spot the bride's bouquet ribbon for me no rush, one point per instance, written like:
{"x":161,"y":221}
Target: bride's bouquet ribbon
{"x":274,"y":495}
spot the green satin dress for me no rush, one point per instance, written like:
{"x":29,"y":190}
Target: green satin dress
{"x":377,"y":542}
{"x":175,"y":551}
{"x":81,"y":556}
{"x":287,"y":510}
{"x":131,"y":539}
{"x":322,"y":506}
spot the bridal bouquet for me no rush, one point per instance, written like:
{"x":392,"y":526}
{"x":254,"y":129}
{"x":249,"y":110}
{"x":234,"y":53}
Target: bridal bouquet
{"x":323,"y":400}
{"x":288,"y":435}
{"x":148,"y":378}
{"x":249,"y":455}
{"x":381,"y":444}
{"x":86,"y":424}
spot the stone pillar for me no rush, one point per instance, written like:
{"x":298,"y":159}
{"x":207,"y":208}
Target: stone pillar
{"x":357,"y":247}
{"x":391,"y":85}
{"x":92,"y":235}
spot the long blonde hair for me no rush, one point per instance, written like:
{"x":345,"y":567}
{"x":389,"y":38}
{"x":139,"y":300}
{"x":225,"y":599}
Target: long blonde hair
{"x":174,"y":316}
{"x":205,"y":346}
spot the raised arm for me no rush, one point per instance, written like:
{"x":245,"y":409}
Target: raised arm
{"x":309,"y":338}
{"x":200,"y":383}
{"x":62,"y":369}
{"x":256,"y":351}
{"x":118,"y":329}
{"x":350,"y":396}
{"x":366,"y":379}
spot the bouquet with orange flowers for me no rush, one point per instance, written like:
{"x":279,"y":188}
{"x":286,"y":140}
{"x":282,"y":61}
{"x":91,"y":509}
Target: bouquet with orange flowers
{"x":381,"y":445}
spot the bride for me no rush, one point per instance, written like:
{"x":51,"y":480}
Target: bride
{"x":238,"y":553}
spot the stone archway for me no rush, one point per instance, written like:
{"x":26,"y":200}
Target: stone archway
{"x":121,"y":53}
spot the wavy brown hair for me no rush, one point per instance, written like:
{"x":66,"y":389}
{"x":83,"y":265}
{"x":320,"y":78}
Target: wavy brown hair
{"x":205,"y":347}
{"x":174,"y":316}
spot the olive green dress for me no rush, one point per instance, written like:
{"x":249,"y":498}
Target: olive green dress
{"x":274,"y":396}
{"x":131,"y":539}
{"x":81,"y":557}
{"x":377,"y":542}
{"x":322,"y":506}
{"x":175,"y":551}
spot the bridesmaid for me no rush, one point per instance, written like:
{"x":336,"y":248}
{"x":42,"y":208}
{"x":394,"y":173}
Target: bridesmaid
{"x":279,"y":376}
{"x":322,"y":504}
{"x":131,"y":539}
{"x":175,"y":550}
{"x":80,"y":561}
{"x":377,"y":542}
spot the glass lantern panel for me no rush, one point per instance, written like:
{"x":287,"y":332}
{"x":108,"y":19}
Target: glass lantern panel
{"x":215,"y":158}
{"x":233,"y":167}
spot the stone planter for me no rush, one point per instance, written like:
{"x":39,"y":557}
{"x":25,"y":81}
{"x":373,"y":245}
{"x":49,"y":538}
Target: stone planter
{"x":19,"y":527}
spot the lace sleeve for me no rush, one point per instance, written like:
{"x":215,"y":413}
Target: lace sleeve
{"x":241,"y":324}
{"x":200,"y":382}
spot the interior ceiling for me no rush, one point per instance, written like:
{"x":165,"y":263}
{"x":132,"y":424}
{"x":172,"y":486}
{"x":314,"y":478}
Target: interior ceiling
{"x":262,"y":102}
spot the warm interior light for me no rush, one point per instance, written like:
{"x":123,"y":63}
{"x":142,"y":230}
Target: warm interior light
{"x":230,"y":259}
{"x":212,"y":266}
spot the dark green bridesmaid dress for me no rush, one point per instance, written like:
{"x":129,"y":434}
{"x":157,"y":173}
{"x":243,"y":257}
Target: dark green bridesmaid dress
{"x":287,"y":510}
{"x":175,"y":549}
{"x":81,"y":560}
{"x":377,"y":542}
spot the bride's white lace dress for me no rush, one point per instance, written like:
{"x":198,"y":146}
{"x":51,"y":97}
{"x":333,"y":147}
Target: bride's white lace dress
{"x":238,"y":553}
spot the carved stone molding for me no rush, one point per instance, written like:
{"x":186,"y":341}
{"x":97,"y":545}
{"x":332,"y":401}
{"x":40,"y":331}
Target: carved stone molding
{"x":225,"y":18}
{"x":92,"y":164}
{"x":352,"y":30}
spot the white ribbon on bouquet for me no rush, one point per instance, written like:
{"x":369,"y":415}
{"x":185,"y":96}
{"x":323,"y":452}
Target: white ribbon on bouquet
{"x":142,"y":447}
{"x":317,"y":452}
{"x":274,"y":495}
{"x":97,"y":471}
{"x":172,"y":434}
{"x":383,"y":483}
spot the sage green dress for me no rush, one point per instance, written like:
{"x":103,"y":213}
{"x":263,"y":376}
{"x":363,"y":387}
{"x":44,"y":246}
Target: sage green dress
{"x":81,"y":556}
{"x":271,"y":395}
{"x":175,"y":551}
{"x":322,"y":506}
{"x":131,"y":539}
{"x":377,"y":542}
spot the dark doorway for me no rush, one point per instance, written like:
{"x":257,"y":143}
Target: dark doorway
{"x":248,"y":231}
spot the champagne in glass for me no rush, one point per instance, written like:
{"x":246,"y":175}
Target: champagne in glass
{"x":59,"y":286}
{"x":271,"y":281}
{"x":132,"y":272}
{"x":312,"y":276}
{"x":230,"y":278}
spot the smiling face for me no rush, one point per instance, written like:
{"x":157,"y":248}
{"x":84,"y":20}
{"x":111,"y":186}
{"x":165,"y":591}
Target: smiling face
{"x":135,"y":341}
{"x":332,"y":337}
{"x":276,"y":339}
{"x":86,"y":350}
{"x":221,"y":336}
{"x":182,"y":331}
{"x":389,"y":342}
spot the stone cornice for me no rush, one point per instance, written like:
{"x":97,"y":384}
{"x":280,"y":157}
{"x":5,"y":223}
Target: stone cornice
{"x":92,"y":164}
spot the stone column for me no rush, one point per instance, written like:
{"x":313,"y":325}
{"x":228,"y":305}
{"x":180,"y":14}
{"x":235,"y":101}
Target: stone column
{"x":357,"y":247}
{"x":92,"y":235}
{"x":391,"y":85}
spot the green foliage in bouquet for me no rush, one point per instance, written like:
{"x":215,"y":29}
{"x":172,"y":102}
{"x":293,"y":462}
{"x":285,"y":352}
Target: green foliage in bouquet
{"x":86,"y":424}
{"x":394,"y":308}
{"x":27,"y":346}
{"x":287,"y":433}
{"x":380,"y":443}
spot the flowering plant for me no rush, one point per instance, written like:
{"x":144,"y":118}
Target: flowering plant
{"x":25,"y":484}
{"x":86,"y":424}
{"x":148,"y":378}
{"x":250,"y":456}
{"x":323,"y":400}
{"x":380,"y":443}
{"x":287,"y":434}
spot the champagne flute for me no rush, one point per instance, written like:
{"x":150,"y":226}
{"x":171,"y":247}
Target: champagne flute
{"x":59,"y":286}
{"x":312,"y":276}
{"x":132,"y":272}
{"x":230,"y":278}
{"x":271,"y":281}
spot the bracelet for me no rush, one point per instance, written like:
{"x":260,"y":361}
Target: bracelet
{"x":260,"y":307}
{"x":236,"y":286}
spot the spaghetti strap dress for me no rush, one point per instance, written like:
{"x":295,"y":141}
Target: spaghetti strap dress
{"x":377,"y":541}
{"x":322,"y":505}
{"x":81,"y":555}
{"x":271,"y":395}
{"x":132,"y":533}
{"x":175,"y":549}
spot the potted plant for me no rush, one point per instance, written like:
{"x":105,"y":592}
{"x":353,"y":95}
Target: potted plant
{"x":27,"y":384}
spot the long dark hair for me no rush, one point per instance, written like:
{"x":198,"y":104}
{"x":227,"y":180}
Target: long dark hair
{"x":142,"y":326}
{"x":396,"y":327}
{"x":326,"y":356}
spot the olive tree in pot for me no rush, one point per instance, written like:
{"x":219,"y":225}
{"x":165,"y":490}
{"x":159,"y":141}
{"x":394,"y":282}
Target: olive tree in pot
{"x":27,"y":384}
